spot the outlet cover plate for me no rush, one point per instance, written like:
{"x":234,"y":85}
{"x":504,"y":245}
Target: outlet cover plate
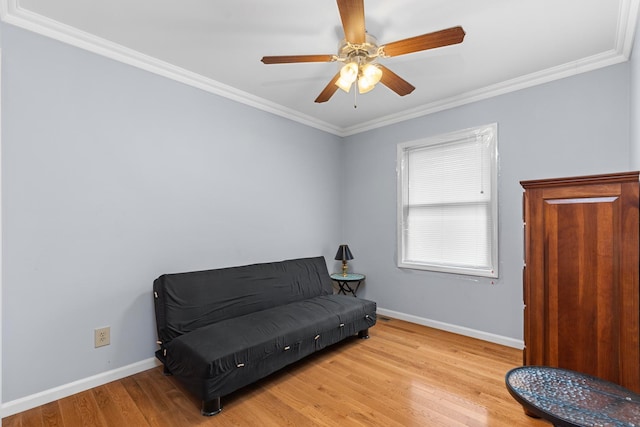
{"x":102,"y":336}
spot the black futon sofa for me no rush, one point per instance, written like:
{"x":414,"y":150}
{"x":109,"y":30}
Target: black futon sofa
{"x":220,"y":330}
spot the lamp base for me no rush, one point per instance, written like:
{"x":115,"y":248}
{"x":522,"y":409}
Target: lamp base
{"x":344,"y":268}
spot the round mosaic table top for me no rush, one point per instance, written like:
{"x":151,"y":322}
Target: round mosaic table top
{"x":569,"y":398}
{"x":350,"y":277}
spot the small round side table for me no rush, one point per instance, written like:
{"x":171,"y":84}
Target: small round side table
{"x":348,"y":283}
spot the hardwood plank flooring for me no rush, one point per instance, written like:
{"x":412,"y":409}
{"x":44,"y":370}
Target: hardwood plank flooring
{"x":405,"y":375}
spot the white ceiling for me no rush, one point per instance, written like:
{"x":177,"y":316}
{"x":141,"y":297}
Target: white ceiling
{"x":217,"y":45}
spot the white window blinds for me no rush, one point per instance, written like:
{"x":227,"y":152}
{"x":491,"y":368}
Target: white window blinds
{"x":448,"y":203}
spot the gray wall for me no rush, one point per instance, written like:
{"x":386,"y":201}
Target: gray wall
{"x":574,"y":126}
{"x":635,"y":104}
{"x":112,"y":176}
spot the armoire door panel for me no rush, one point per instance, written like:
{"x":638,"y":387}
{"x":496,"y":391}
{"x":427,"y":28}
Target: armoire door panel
{"x":581,"y":290}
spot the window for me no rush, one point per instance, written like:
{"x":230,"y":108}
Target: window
{"x":448,"y":203}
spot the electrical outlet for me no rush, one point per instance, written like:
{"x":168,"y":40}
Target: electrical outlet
{"x":102,"y":336}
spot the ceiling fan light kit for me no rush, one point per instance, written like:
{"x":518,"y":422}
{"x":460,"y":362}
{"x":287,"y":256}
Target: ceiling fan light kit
{"x":359,"y":51}
{"x":368,"y":75}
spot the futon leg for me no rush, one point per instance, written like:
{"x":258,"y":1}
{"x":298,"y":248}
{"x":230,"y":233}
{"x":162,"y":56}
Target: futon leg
{"x":166,"y":371}
{"x":364,"y":334}
{"x":211,"y":407}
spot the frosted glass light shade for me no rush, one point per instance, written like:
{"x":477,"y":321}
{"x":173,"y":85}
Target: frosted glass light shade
{"x":348,"y":75}
{"x":370,"y":76}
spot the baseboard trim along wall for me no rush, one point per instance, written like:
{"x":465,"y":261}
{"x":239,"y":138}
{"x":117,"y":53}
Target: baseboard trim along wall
{"x":46,"y":396}
{"x":461,"y":330}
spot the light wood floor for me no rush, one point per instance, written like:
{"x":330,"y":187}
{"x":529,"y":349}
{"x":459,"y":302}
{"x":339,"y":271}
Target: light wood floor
{"x":405,"y":375}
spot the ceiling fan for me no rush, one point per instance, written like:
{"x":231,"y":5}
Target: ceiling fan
{"x":359,"y":51}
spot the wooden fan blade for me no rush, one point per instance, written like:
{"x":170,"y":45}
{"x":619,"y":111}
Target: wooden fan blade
{"x":329,"y":90}
{"x":352,"y":15}
{"x":297,"y":58}
{"x":440,"y":38}
{"x":395,"y":82}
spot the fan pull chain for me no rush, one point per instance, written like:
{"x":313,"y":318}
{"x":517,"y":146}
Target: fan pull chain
{"x":355,"y":98}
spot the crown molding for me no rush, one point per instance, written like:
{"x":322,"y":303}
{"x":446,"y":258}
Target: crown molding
{"x":12,"y":13}
{"x":627,"y":22}
{"x":549,"y":75}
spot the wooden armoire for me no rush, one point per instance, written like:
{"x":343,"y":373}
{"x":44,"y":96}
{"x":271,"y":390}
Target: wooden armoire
{"x":581,"y":288}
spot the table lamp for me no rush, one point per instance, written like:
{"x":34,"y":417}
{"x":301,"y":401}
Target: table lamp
{"x":344,"y":255}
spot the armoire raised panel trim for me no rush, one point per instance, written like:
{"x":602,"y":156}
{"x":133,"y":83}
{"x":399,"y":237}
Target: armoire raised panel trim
{"x":581,"y":275}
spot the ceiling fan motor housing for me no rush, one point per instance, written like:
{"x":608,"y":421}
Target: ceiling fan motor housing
{"x":361,"y":53}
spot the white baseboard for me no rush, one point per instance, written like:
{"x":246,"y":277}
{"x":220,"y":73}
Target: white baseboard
{"x":461,"y":330}
{"x":46,"y":396}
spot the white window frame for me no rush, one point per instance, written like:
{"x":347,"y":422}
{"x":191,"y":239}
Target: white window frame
{"x":488,"y":135}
